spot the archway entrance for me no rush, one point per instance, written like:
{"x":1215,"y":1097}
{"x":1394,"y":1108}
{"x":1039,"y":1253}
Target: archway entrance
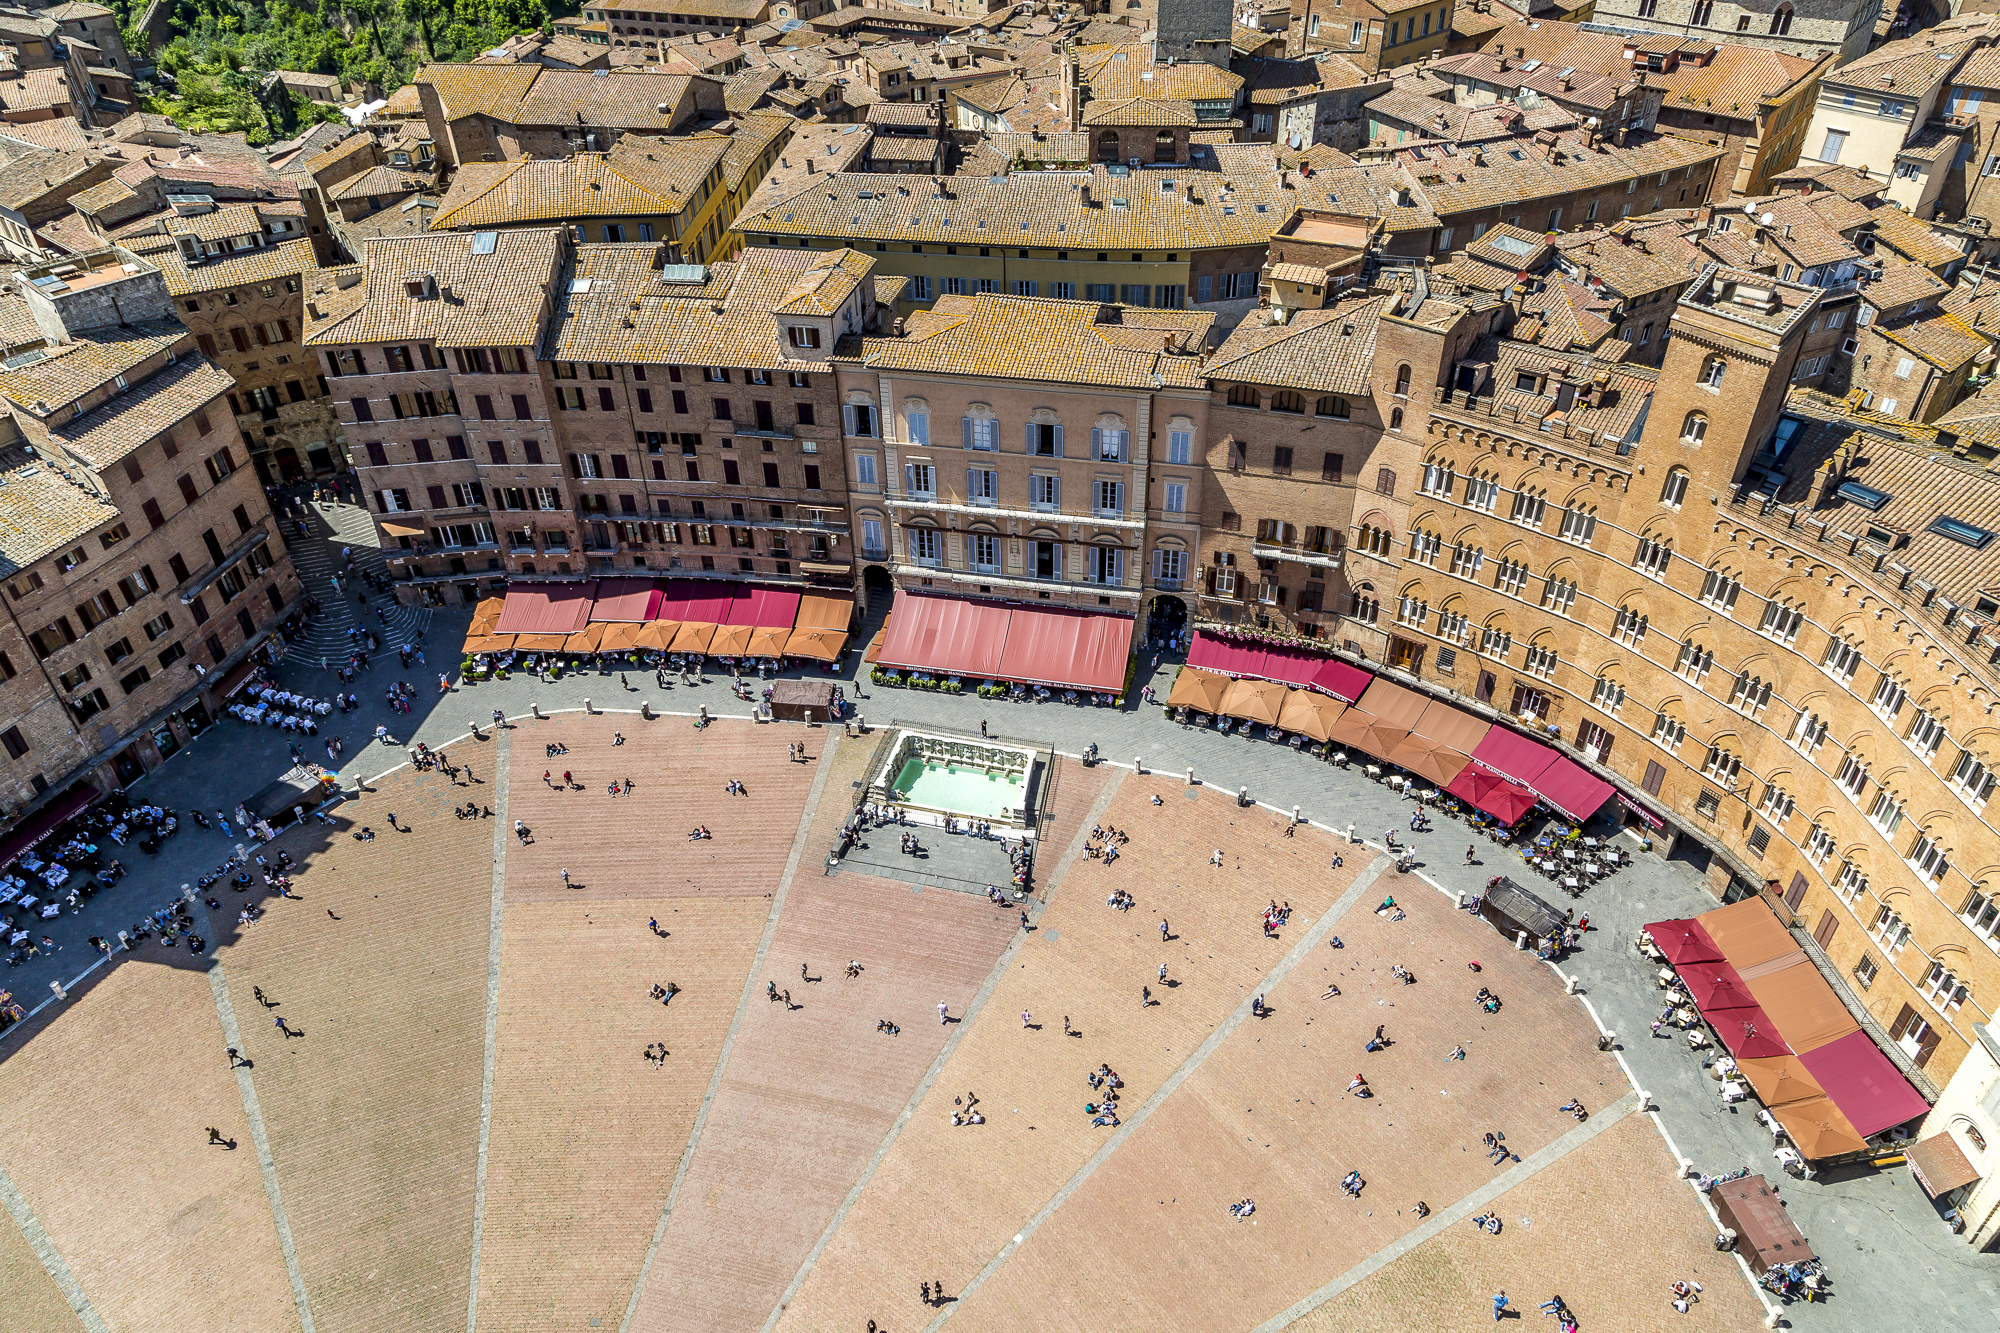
{"x":1169,"y":617}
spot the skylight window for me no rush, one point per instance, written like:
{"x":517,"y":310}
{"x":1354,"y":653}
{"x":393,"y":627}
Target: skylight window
{"x":484,"y":241}
{"x":1961,"y":531}
{"x":1866,"y":496}
{"x":578,"y":286}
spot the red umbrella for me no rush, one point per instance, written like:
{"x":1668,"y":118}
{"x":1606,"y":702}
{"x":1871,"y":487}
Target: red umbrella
{"x":1701,"y":980}
{"x":1683,"y":941}
{"x":1749,"y":1033}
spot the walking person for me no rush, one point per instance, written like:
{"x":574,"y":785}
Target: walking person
{"x":1163,"y":930}
{"x":942,"y":1017}
{"x":215,"y":1135}
{"x":1468,"y":855}
{"x":1025,"y":1016}
{"x":1499,"y":1304}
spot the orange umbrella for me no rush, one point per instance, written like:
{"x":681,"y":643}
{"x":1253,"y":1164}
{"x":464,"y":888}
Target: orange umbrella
{"x":769,"y":640}
{"x":693,"y":638}
{"x":817,"y":642}
{"x":1313,"y":714}
{"x":1256,"y":700}
{"x":1780,"y":1080}
{"x":730,"y":641}
{"x":539,"y":643}
{"x":620,"y":636}
{"x":586,"y":639}
{"x":657,"y":634}
{"x":1199,"y":690}
{"x":1819,"y":1129}
{"x":489,"y":643}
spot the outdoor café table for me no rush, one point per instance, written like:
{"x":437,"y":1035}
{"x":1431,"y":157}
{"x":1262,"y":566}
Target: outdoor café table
{"x":1549,"y":866}
{"x":30,"y":900}
{"x":9,"y":894}
{"x":50,"y":909}
{"x":18,"y":937}
{"x":1569,"y":881}
{"x":1569,"y":854}
{"x":1590,"y":842}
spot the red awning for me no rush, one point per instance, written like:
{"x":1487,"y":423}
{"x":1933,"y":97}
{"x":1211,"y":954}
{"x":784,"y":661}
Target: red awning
{"x":630,"y":600}
{"x":1572,"y":789}
{"x":1341,"y":680}
{"x":948,"y":634}
{"x":234,"y":680}
{"x":1514,"y":756}
{"x":1486,"y":790}
{"x":1864,"y":1084}
{"x":693,"y":600}
{"x":1294,"y":666}
{"x":766,"y":608}
{"x":1940,"y":1165}
{"x":1084,"y":650}
{"x":1684,"y":941}
{"x":1226,"y":656}
{"x":547,"y":608}
{"x":45,"y":821}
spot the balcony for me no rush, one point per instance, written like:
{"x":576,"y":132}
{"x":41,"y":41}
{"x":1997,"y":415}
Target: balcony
{"x":1301,"y":555}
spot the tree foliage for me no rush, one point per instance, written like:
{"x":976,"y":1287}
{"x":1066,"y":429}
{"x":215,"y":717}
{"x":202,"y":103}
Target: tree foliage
{"x":222,"y":49}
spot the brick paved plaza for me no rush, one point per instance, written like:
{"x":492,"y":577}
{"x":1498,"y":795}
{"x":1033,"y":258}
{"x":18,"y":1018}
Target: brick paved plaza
{"x":465,"y":1127}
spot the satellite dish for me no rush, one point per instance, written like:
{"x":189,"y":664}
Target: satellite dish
{"x":1750,"y":207}
{"x":1768,"y":219}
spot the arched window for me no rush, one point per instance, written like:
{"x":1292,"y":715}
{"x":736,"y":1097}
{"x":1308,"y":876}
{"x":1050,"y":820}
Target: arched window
{"x":1332,"y":406}
{"x":1702,"y":10}
{"x":1163,"y":146}
{"x":1402,"y":381}
{"x":1107,"y":146}
{"x":1712,"y":371}
{"x":1695,"y":429}
{"x":1676,"y":488}
{"x":1287,"y":401}
{"x":1395,"y":418}
{"x":1781,"y":21}
{"x":1245,"y":395}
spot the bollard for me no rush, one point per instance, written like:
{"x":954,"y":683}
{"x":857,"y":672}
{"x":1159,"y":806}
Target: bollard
{"x":1190,"y":777}
{"x":125,"y":941}
{"x":1771,"y":1319}
{"x":1295,"y":816}
{"x":1605,"y":1040}
{"x":1242,"y":796}
{"x":1520,"y":939}
{"x":704,"y":712}
{"x":1460,"y":896}
{"x":1645,"y":1100}
{"x":1138,"y":765}
{"x":646,"y":709}
{"x":587,"y":709}
{"x":1569,"y":985}
{"x":1350,"y":833}
{"x":1688,"y":1171}
{"x":56,"y":986}
{"x":536,"y":709}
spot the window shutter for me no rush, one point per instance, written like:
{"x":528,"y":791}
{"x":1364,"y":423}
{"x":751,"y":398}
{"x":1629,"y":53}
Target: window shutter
{"x":1096,"y":442}
{"x":1055,"y":491}
{"x":1157,"y":554}
{"x":847,"y":419}
{"x":1118,"y":566}
{"x":436,"y":496}
{"x":971,"y":483}
{"x":909,"y":478}
{"x":965,"y":432}
{"x":1028,"y":436}
{"x":1059,"y":441}
{"x":1118,"y":496}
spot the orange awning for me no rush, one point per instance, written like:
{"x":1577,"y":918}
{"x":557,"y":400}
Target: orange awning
{"x":539,"y":643}
{"x":395,"y":529}
{"x":489,"y":643}
{"x":824,"y":613}
{"x":694,"y":637}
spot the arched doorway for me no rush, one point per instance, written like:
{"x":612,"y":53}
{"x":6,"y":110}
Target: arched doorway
{"x":1169,"y":617}
{"x":287,"y":459}
{"x":878,"y":589}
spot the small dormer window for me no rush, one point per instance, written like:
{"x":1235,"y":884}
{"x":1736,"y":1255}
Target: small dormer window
{"x":803,"y":335}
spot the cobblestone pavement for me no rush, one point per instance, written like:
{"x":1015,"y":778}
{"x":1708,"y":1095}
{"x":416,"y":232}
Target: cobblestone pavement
{"x":805,"y":1154}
